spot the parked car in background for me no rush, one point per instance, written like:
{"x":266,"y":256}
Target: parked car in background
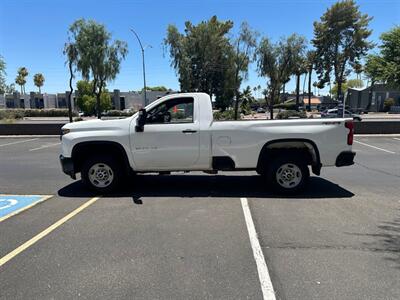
{"x":333,"y":113}
{"x":129,"y":110}
{"x":260,"y":110}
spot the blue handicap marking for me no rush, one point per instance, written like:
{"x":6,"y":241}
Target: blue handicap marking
{"x":12,"y":204}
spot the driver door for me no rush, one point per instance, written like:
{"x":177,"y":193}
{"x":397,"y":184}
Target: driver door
{"x":170,"y":140}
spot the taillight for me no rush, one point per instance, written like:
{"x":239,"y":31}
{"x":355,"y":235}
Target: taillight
{"x":350,"y":135}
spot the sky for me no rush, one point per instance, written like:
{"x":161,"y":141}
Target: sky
{"x":33,"y":32}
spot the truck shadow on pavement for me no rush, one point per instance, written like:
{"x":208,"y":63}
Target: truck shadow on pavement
{"x":227,"y":186}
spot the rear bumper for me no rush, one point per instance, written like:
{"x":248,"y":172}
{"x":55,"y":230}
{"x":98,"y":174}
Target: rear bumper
{"x":346,"y":158}
{"x":67,"y":166}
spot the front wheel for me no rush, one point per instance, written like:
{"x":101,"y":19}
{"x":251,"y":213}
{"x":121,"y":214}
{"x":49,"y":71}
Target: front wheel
{"x":287,"y":175}
{"x":101,"y":173}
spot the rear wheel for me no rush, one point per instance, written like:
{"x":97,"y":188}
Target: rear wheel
{"x":101,"y":173}
{"x":287,"y":175}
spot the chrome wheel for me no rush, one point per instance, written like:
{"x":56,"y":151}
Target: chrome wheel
{"x":289,"y":176}
{"x":101,"y":175}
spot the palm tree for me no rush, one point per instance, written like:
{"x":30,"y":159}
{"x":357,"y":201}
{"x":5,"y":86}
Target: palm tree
{"x":284,"y":98}
{"x":21,"y":78}
{"x":72,"y":57}
{"x":298,"y":62}
{"x":300,"y":70}
{"x":21,"y":82}
{"x":247,"y":99}
{"x":38,"y":80}
{"x":310,"y":65}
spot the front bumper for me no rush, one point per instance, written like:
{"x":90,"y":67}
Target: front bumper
{"x":67,"y":166}
{"x":346,"y":158}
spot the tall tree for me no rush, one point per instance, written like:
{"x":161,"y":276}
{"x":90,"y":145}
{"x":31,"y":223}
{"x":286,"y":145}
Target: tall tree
{"x":244,"y":46}
{"x":374,"y":68}
{"x":202,"y":57}
{"x":99,"y":57}
{"x":21,"y":82}
{"x":38,"y":80}
{"x":86,"y":99}
{"x":298,"y":61}
{"x":21,"y":78}
{"x":71,"y":53}
{"x":350,"y":83}
{"x":275,"y":62}
{"x":358,"y":69}
{"x":246,"y":100}
{"x":157,"y":88}
{"x":3,"y":85}
{"x":385,"y":66}
{"x":340,"y":40}
{"x":310,"y":60}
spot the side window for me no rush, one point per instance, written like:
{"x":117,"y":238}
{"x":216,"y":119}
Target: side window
{"x":179,"y":110}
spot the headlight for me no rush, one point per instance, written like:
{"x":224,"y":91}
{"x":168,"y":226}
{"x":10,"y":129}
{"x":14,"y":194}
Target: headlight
{"x":65,"y":131}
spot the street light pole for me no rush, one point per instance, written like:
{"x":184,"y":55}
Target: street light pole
{"x":144,"y":69}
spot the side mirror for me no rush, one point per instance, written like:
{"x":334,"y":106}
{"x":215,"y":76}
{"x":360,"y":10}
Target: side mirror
{"x":141,"y":120}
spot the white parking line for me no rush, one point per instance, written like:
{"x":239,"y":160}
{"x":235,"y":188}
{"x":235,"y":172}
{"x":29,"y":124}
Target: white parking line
{"x":397,"y":139}
{"x":18,"y":142}
{"x":391,"y":152}
{"x":45,"y":146}
{"x":263,"y":274}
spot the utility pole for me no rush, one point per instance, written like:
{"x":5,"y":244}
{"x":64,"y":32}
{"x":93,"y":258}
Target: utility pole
{"x":144,"y":69}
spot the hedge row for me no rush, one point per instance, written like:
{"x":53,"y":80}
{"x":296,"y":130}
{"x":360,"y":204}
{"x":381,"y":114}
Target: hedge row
{"x":287,"y":106}
{"x":291,"y":114}
{"x":119,"y":113}
{"x":224,"y":115}
{"x":21,"y":113}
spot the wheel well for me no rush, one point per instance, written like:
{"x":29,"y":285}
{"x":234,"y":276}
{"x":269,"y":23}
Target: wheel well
{"x":83,"y":150}
{"x":300,"y":148}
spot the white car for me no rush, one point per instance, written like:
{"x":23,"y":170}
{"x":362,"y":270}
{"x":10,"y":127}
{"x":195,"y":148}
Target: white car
{"x":332,"y":113}
{"x":178,"y":133}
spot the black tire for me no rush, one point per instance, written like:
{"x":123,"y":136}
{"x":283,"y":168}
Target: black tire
{"x":296,"y":176}
{"x":106,"y":166}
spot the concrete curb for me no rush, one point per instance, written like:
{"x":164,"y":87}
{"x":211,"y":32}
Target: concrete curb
{"x":31,"y":129}
{"x":30,"y":136}
{"x":377,"y":127}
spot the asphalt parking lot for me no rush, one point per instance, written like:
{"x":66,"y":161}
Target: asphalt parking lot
{"x":186,"y":236}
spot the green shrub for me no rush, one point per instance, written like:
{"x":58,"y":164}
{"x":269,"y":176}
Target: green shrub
{"x":389,"y":102}
{"x":224,"y":115}
{"x":287,"y":106}
{"x":119,"y":113}
{"x":52,"y":112}
{"x":87,"y":103}
{"x":21,"y":113}
{"x":9,"y":114}
{"x":178,"y":115}
{"x":288,"y":114}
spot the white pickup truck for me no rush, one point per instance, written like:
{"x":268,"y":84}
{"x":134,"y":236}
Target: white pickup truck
{"x":178,"y":133}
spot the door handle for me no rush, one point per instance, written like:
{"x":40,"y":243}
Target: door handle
{"x":189,"y":131}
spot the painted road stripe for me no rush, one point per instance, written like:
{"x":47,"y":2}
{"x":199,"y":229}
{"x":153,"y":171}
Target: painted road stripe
{"x":397,"y":139}
{"x":19,"y":205}
{"x":45,"y":232}
{"x":45,"y":146}
{"x":375,"y":147}
{"x":263,"y":274}
{"x":18,"y":142}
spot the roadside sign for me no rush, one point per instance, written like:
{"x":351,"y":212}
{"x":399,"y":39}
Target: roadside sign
{"x":13,"y":204}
